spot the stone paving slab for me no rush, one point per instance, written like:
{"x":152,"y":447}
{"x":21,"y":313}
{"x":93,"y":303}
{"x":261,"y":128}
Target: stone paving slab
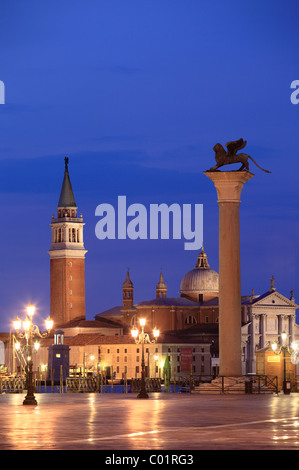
{"x":174,"y":422}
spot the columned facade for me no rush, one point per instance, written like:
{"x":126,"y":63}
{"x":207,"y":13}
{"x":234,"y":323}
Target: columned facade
{"x":268,"y":316}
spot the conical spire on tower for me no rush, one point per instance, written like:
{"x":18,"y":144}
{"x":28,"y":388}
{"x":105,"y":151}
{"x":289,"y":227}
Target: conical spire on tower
{"x":67,"y":198}
{"x":128,"y":290}
{"x":128,"y":283}
{"x":161,"y":287}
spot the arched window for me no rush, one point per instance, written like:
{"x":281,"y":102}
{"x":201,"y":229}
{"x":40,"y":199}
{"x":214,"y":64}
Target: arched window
{"x":190,"y":320}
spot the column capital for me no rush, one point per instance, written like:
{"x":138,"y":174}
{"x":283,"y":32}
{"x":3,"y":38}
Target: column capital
{"x":229,"y":184}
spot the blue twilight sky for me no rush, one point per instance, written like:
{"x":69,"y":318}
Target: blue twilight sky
{"x":136,"y":93}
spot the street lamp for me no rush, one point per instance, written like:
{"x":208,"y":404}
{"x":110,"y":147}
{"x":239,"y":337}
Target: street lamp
{"x":142,"y":338}
{"x":30,"y":331}
{"x":283,"y":349}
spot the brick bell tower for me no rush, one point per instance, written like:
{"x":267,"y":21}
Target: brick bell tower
{"x":67,"y":259}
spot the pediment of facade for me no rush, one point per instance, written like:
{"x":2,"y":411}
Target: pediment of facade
{"x":275,"y":299}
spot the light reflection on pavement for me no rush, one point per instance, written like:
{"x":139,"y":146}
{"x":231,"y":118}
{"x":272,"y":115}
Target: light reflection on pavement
{"x":164,"y":421}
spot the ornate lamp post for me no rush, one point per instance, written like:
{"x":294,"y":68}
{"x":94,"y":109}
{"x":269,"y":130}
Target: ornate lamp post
{"x":30,"y":331}
{"x":142,"y":338}
{"x":283,"y":349}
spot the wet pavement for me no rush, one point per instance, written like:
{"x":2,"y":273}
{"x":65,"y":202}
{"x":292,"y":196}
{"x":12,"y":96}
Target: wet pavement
{"x":163,"y":422}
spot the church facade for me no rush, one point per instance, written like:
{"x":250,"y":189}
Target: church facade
{"x":197,"y":303}
{"x":195,"y":313}
{"x":266,"y":317}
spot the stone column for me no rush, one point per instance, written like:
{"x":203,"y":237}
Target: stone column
{"x":280,"y":328}
{"x":263,"y":330}
{"x":229,"y":185}
{"x":252,"y":344}
{"x":291,"y":328}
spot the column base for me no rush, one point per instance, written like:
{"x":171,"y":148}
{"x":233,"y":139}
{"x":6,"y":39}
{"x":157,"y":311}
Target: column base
{"x":30,"y":400}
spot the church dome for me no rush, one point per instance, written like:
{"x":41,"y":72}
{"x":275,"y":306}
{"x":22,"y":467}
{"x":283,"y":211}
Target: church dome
{"x":201,"y":280}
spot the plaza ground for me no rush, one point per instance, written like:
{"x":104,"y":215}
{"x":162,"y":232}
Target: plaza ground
{"x":163,"y":422}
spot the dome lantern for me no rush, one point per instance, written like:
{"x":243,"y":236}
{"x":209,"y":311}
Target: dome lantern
{"x":201,"y":283}
{"x":202,"y":260}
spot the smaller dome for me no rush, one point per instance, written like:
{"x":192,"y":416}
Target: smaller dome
{"x":58,"y":332}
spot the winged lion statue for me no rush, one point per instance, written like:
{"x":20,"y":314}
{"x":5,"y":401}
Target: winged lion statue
{"x":224,"y":157}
